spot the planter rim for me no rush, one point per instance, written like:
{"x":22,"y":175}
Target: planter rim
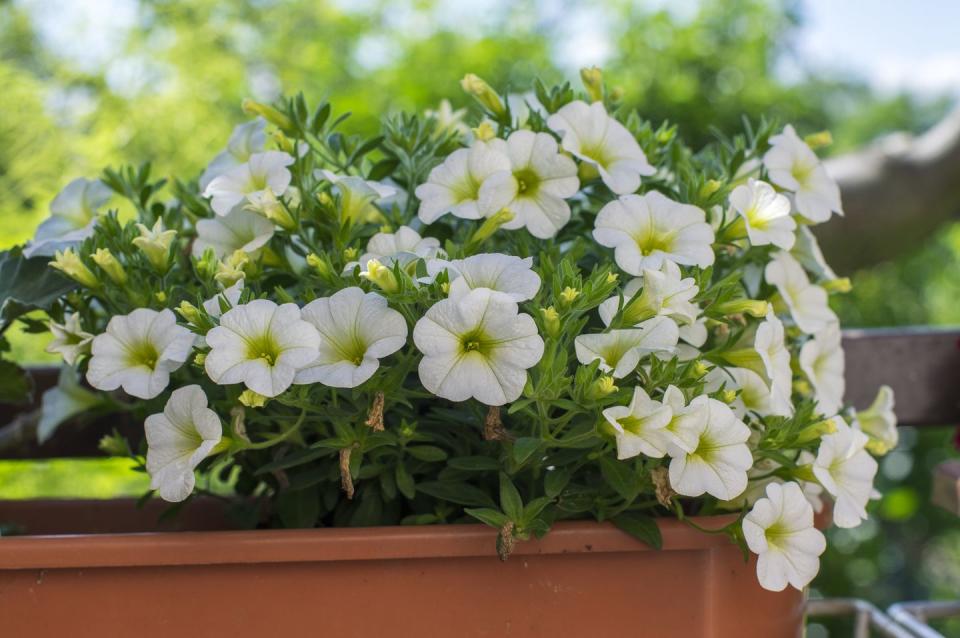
{"x":335,"y":544}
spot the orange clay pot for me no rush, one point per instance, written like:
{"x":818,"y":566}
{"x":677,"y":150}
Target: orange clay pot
{"x":583,"y":579}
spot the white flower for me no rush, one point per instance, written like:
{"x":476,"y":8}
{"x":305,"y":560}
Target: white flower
{"x":356,"y":330}
{"x":246,"y":139}
{"x":718,"y":463}
{"x":69,"y":339}
{"x":619,"y":351}
{"x":780,"y":531}
{"x":807,"y":252}
{"x":879,"y":422}
{"x":383,"y":191}
{"x":247,"y":182}
{"x":601,"y":141}
{"x":73,"y":214}
{"x":448,"y":120}
{"x":770,"y":344}
{"x":807,"y":302}
{"x":683,"y":427}
{"x":647,"y":229}
{"x":754,"y":392}
{"x":477,"y":345}
{"x":261,"y":345}
{"x":404,"y":245}
{"x":846,"y":471}
{"x":640,"y":427}
{"x":358,"y":196}
{"x":454,"y":186}
{"x":178,"y":439}
{"x":506,"y":274}
{"x":64,"y":401}
{"x":138,"y":352}
{"x":231,"y":296}
{"x":535,"y":185}
{"x":664,"y":292}
{"x":794,"y":167}
{"x":765,"y":213}
{"x":237,"y":230}
{"x":821,"y":359}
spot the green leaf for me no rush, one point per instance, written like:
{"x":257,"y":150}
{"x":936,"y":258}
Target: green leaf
{"x":474,"y":463}
{"x":641,"y":527}
{"x":16,"y":386}
{"x":457,"y":492}
{"x":555,"y":481}
{"x":510,"y":501}
{"x":427,"y":453}
{"x":523,"y":449}
{"x":298,"y":508}
{"x":28,"y":284}
{"x":405,"y":481}
{"x":493,"y":518}
{"x":296,"y":458}
{"x":620,"y":477}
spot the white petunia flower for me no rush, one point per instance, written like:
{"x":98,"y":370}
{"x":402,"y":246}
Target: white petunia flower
{"x":477,"y":345}
{"x":69,"y":339}
{"x":247,"y":138}
{"x":357,"y":195}
{"x":601,"y":141}
{"x":754,"y":395}
{"x":138,"y":352}
{"x":663,"y":292}
{"x":846,"y":470}
{"x":231,"y":296}
{"x":620,"y":351}
{"x":73,"y":214}
{"x":807,"y":252}
{"x":247,"y":182}
{"x":261,"y":345}
{"x":719,"y":461}
{"x":640,"y":427}
{"x":821,"y":359}
{"x":647,"y":229}
{"x":356,"y":329}
{"x":535,"y":186}
{"x":780,"y":531}
{"x":237,"y":230}
{"x":879,"y":422}
{"x":512,"y":276}
{"x":765,"y":213}
{"x":178,"y":439}
{"x":770,"y":344}
{"x":683,"y":427}
{"x":808,"y":303}
{"x":404,"y":245}
{"x":794,"y":167}
{"x":454,"y":186}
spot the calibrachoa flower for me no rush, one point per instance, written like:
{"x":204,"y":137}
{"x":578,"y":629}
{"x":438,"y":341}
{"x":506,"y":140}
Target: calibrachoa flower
{"x":662,"y":292}
{"x":477,"y":345}
{"x":846,"y":471}
{"x":512,"y":276}
{"x":768,"y":356}
{"x":73,"y":214}
{"x":230,"y":296}
{"x":261,"y":172}
{"x":647,"y":229}
{"x":138,"y":352}
{"x":806,"y":302}
{"x":765,"y":214}
{"x":599,"y":140}
{"x":238,"y":230}
{"x":261,"y":345}
{"x":807,"y":251}
{"x":821,"y":359}
{"x":155,"y":243}
{"x":246,"y":139}
{"x":404,"y":244}
{"x":69,"y":339}
{"x":535,"y":186}
{"x":780,"y":530}
{"x":178,"y":439}
{"x":620,"y":351}
{"x":718,"y":463}
{"x":640,"y":428}
{"x":879,"y":422}
{"x":454,"y":186}
{"x":356,"y":329}
{"x":794,"y":167}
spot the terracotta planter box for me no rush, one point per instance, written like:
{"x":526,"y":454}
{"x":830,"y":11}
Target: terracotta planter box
{"x":583,"y":579}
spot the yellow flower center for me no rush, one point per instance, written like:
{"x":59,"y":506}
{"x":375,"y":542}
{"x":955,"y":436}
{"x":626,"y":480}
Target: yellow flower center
{"x":143,"y":353}
{"x":528,"y":182}
{"x":264,"y":347}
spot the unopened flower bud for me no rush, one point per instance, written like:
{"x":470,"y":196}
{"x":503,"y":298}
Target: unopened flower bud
{"x":325,"y":199}
{"x":819,"y":140}
{"x":551,"y":321}
{"x":252,"y":399}
{"x":569,"y":295}
{"x":109,"y":264}
{"x":114,"y":444}
{"x":485,"y":132}
{"x":230,"y":270}
{"x":200,"y":358}
{"x":69,"y":263}
{"x":592,"y":78}
{"x":801,"y":386}
{"x":268,"y":113}
{"x":604,"y":386}
{"x":699,"y":369}
{"x":189,"y":312}
{"x":728,"y":396}
{"x":350,"y":253}
{"x":155,"y":243}
{"x":839,"y":285}
{"x":483,"y":92}
{"x":709,"y":187}
{"x":490,"y":226}
{"x":816,"y":430}
{"x":612,"y":277}
{"x":319,"y":265}
{"x":381,"y":276}
{"x":752,"y":307}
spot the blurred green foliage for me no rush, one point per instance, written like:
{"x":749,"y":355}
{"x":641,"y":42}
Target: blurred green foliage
{"x":166,"y":85}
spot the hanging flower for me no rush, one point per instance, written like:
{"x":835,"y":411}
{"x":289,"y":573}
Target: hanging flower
{"x":640,"y":427}
{"x":506,"y":274}
{"x":663,"y":292}
{"x":807,"y":251}
{"x":794,"y":167}
{"x":246,"y":139}
{"x":821,"y":359}
{"x":780,"y":531}
{"x":69,"y":339}
{"x":599,"y":140}
{"x":138,"y":352}
{"x":620,"y":351}
{"x":356,"y":329}
{"x":754,"y":393}
{"x":358,"y":196}
{"x":405,"y":245}
{"x":73,"y":214}
{"x":846,"y":471}
{"x":535,"y":186}
{"x":765,"y":214}
{"x":879,"y":422}
{"x":229,"y":296}
{"x":647,"y":229}
{"x":808,"y":303}
{"x":454,"y":186}
{"x":236,"y":187}
{"x":261,"y":345}
{"x":178,"y":439}
{"x":477,"y":345}
{"x":237,"y":230}
{"x":718,"y":463}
